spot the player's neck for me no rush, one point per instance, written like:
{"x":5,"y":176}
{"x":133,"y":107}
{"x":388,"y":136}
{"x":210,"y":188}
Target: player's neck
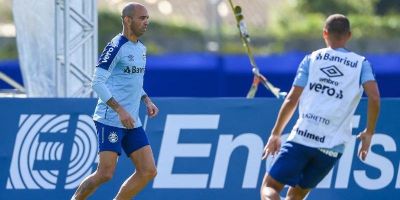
{"x":335,"y":44}
{"x":131,"y":37}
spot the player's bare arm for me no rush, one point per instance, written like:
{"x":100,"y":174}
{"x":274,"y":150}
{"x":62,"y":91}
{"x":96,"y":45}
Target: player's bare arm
{"x":285,"y":113}
{"x":372,"y":91}
{"x":152,"y":109}
{"x":125,"y":117}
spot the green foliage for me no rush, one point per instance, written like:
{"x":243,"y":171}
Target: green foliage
{"x":304,"y":22}
{"x":299,"y":28}
{"x":384,"y":7}
{"x":8,"y":49}
{"x":6,"y":12}
{"x":109,"y":26}
{"x":370,"y":26}
{"x":310,"y":26}
{"x":337,"y":6}
{"x":297,"y":25}
{"x":159,"y":38}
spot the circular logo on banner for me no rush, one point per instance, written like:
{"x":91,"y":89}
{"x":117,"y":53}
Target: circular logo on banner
{"x":113,"y":137}
{"x":45,"y":143}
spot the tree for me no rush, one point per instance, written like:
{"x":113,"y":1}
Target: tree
{"x":338,"y":6}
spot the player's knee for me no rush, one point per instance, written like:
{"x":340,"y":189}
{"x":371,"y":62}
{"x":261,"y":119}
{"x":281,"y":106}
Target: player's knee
{"x":149,"y":173}
{"x":270,"y":182}
{"x":268,"y":193}
{"x":296,"y":193}
{"x":294,"y":197}
{"x":104,"y":176}
{"x":270,"y":188}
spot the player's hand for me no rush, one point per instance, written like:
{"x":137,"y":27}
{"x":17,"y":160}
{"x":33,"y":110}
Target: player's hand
{"x":365,"y":138}
{"x":272,"y":147}
{"x":126,"y":119}
{"x":152,"y":109}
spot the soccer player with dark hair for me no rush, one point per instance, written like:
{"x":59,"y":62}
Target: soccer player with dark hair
{"x":328,"y":87}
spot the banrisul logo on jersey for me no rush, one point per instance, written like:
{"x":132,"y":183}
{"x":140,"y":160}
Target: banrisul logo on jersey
{"x":343,"y":60}
{"x":134,"y":70}
{"x":52,"y":152}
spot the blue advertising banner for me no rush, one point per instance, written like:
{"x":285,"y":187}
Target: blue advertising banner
{"x":205,"y":149}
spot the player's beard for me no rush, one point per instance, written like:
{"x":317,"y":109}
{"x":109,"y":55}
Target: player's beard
{"x":138,"y":31}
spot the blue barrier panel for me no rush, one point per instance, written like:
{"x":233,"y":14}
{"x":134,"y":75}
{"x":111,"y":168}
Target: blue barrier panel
{"x":216,"y":75}
{"x":10,"y":68}
{"x":204,"y":148}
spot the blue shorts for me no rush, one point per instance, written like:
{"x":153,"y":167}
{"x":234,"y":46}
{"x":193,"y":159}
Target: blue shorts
{"x":112,"y":138}
{"x":300,"y":165}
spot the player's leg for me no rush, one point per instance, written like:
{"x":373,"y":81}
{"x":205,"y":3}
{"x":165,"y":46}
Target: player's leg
{"x":270,"y":188}
{"x":286,"y":170}
{"x":136,"y":145}
{"x":104,"y":172}
{"x":145,"y":172}
{"x":314,"y":172}
{"x":109,"y":140}
{"x":297,"y":193}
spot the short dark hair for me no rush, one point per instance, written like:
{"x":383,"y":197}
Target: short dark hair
{"x":337,"y":25}
{"x":128,"y":10}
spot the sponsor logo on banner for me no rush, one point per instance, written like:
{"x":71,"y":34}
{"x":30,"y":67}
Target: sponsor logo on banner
{"x":58,"y":151}
{"x":52,"y":152}
{"x":172,"y":149}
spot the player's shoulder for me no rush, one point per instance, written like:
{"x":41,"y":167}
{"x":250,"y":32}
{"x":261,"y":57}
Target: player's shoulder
{"x":141,"y":45}
{"x":118,"y":41}
{"x":111,"y":50}
{"x":317,"y":53}
{"x":359,"y":57}
{"x":115,"y":44}
{"x":320,"y":51}
{"x":141,"y":42}
{"x":354,"y":53}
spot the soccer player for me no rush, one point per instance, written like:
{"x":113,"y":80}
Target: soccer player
{"x":328,"y":88}
{"x":118,"y":81}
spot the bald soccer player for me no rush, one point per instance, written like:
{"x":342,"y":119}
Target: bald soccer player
{"x":327,"y":88}
{"x":118,"y":81}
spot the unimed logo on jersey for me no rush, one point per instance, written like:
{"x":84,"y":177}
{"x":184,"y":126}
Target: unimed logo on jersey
{"x":52,"y":152}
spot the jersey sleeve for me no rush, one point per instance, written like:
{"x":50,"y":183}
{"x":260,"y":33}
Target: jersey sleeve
{"x":143,"y":92}
{"x":107,"y":62}
{"x":109,"y":58}
{"x":99,"y":84}
{"x":367,"y":73}
{"x":302,"y":73}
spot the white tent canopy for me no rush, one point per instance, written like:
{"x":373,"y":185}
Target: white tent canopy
{"x":53,"y":65}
